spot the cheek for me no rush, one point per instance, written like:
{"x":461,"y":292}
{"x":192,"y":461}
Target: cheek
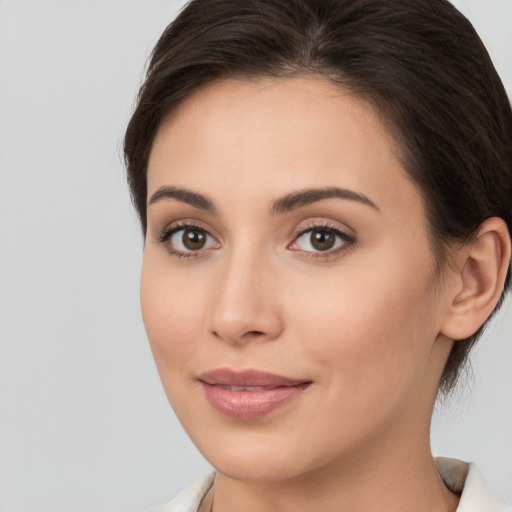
{"x":371,"y":325}
{"x":369,"y":348}
{"x":172,"y":312}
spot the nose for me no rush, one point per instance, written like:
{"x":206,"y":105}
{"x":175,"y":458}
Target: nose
{"x":246,"y":306}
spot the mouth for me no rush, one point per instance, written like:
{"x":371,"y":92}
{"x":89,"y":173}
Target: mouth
{"x":249,"y":394}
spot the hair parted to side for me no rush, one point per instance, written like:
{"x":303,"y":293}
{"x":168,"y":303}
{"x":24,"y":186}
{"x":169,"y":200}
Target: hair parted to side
{"x":420,"y":63}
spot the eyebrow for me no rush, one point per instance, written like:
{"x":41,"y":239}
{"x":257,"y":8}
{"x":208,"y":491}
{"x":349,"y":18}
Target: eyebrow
{"x":185,"y":196}
{"x":312,"y":195}
{"x":284,"y":204}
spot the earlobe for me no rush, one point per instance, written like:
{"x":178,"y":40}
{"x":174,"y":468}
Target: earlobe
{"x":481,"y":267}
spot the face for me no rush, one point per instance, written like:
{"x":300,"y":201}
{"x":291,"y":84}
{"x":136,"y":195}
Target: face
{"x":288,"y":286}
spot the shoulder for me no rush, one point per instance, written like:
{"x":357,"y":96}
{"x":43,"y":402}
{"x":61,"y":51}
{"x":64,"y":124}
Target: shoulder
{"x":190,"y":498}
{"x":465,"y":479}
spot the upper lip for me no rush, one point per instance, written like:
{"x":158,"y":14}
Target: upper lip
{"x":248,"y":378}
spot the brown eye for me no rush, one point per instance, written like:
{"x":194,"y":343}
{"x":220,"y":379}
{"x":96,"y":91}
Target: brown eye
{"x":190,"y":239}
{"x":193,"y":239}
{"x":322,"y":240}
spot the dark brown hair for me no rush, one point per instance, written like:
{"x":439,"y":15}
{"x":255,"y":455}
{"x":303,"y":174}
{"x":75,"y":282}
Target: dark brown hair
{"x":420,"y":63}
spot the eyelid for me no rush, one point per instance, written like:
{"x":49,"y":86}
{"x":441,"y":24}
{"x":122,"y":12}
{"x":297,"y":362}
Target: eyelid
{"x":172,"y":227}
{"x":323,"y":223}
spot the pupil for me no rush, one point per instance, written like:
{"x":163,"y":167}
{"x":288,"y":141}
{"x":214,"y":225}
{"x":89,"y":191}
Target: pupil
{"x":322,"y":240}
{"x":193,"y":239}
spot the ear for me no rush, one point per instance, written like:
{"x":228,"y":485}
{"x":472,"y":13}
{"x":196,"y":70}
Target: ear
{"x":481,"y":268}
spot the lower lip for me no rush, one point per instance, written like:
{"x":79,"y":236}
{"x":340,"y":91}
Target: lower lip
{"x":246,"y":405}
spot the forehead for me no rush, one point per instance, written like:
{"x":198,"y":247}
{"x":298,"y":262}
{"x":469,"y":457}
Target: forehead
{"x":271,"y":135}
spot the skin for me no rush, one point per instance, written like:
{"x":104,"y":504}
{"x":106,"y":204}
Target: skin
{"x":367,"y":323}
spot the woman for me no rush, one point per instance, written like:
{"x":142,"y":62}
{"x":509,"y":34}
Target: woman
{"x":324,"y":187}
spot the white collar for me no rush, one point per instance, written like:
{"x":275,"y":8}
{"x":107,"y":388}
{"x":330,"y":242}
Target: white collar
{"x":465,"y":479}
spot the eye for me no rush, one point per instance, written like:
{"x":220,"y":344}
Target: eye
{"x":321,"y":239}
{"x":188,"y":239}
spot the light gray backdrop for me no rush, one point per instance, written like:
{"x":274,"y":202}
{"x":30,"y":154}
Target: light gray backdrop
{"x":84,"y":423}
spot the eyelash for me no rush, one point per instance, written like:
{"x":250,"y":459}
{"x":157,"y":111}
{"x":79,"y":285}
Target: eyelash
{"x":348,"y":240}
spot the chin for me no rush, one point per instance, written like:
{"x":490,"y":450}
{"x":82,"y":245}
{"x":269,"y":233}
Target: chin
{"x":258,"y":468}
{"x":261,"y":456}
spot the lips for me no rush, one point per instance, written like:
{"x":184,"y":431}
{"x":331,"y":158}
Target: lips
{"x":249,"y":394}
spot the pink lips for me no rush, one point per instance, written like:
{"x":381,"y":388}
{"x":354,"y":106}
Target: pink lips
{"x":249,"y":394}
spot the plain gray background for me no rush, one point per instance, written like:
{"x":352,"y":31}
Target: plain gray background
{"x":84,"y":423}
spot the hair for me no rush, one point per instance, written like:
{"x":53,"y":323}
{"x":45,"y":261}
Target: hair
{"x":419,"y":63}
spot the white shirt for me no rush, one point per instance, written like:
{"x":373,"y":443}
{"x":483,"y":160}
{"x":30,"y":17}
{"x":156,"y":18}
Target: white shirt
{"x":460,"y":477}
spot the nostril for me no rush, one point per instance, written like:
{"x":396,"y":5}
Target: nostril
{"x":244,"y":326}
